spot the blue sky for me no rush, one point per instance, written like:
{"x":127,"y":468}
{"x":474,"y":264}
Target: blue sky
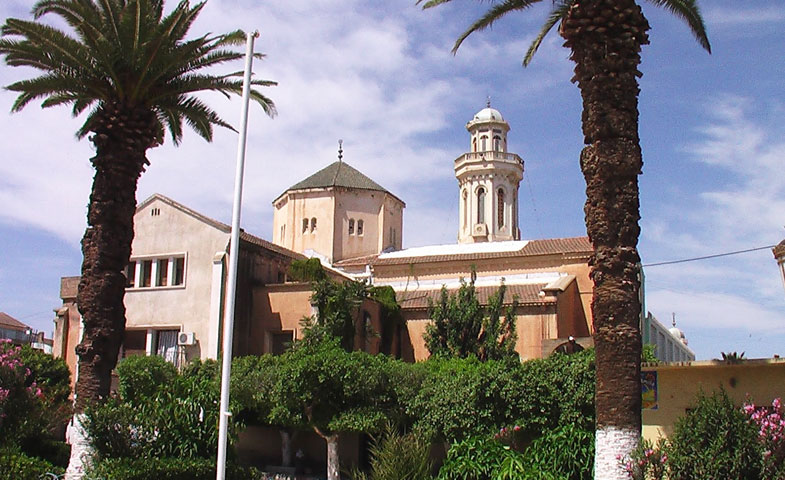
{"x":383,"y":80}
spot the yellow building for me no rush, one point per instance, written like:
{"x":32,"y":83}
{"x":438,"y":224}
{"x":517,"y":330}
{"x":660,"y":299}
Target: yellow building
{"x":670,"y":389}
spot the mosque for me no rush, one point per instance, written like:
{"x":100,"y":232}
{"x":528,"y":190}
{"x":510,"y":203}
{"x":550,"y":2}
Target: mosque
{"x":178,"y":271}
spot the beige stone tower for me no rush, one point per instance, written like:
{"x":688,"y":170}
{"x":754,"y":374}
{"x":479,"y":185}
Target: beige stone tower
{"x":488,"y":178}
{"x":338,"y":213}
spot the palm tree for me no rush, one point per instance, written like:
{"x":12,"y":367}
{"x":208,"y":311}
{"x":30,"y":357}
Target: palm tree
{"x":131,"y":69}
{"x":605,"y":39}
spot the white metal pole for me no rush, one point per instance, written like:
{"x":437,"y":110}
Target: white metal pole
{"x":234,"y":253}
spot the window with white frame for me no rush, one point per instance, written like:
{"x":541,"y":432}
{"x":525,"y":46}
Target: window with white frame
{"x":359,"y":227}
{"x":351,"y":226}
{"x":156,"y":272}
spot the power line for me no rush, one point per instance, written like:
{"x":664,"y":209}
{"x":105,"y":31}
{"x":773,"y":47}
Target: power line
{"x":671,"y":262}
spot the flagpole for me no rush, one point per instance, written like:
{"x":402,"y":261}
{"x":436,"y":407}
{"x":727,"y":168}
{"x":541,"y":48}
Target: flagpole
{"x":234,"y":254}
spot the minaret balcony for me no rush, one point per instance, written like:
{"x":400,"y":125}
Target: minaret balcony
{"x":489,"y":156}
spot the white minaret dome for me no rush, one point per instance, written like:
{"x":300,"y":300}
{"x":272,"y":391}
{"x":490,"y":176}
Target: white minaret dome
{"x":488,"y":179}
{"x":488,"y":114}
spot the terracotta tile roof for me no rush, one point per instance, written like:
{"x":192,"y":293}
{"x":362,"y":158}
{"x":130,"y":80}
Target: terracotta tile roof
{"x":68,"y":287}
{"x":7,"y":321}
{"x":553,"y":246}
{"x":244,"y":236}
{"x":527,"y":294}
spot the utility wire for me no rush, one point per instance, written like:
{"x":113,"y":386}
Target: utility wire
{"x":708,"y":256}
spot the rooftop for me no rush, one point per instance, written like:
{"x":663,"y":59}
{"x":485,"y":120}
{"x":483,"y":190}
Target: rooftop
{"x":579,"y":246}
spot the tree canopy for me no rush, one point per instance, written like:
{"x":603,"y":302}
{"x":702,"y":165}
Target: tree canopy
{"x":462,"y":326}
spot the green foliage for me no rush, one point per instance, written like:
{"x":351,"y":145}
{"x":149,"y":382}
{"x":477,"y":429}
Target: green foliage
{"x":647,"y":461}
{"x":338,"y":304}
{"x":176,"y":421}
{"x":391,"y":314}
{"x":462,"y":327}
{"x":451,"y":399}
{"x":309,"y":270}
{"x":34,"y":389}
{"x":566,"y":453}
{"x":142,"y":377}
{"x":322,"y":386}
{"x":396,"y":456}
{"x":141,"y":59}
{"x":648,"y":353}
{"x":475,"y":458}
{"x":165,"y":469}
{"x":714,"y":440}
{"x":15,"y":465}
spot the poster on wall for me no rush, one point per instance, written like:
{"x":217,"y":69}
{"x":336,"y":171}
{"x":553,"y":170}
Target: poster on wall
{"x":649,"y":390}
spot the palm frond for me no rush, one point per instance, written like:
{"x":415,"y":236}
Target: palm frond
{"x":559,"y":11}
{"x":688,"y":11}
{"x":127,"y":53}
{"x":431,"y":3}
{"x":494,"y":13}
{"x":50,"y":42}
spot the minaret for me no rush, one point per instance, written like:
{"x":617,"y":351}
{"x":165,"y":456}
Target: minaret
{"x":488,"y":179}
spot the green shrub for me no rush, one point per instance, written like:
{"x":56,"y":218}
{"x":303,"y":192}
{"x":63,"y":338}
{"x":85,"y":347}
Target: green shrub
{"x":475,"y":458}
{"x":714,"y":440}
{"x":15,"y":465}
{"x":143,"y":376}
{"x":166,"y":469}
{"x":396,"y":456}
{"x":567,"y":453}
{"x":178,"y":421}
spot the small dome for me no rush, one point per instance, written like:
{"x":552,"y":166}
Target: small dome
{"x":678,"y":334}
{"x":488,"y":114}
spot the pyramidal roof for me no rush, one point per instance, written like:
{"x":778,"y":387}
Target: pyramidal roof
{"x":338,"y":174}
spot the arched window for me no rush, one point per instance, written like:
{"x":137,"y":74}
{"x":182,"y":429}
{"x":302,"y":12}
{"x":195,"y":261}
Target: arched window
{"x":497,"y":143}
{"x":313,"y":224}
{"x":474,"y":144}
{"x":480,"y":205}
{"x":351,"y":226}
{"x":483,"y":143}
{"x":465,"y":207}
{"x":500,"y":208}
{"x":305,"y":225}
{"x":360,"y":226}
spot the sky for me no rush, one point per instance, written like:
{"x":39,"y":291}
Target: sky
{"x":380,"y":76}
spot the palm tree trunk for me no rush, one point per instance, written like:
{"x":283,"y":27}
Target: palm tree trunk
{"x":605,"y":37}
{"x":122,"y":136}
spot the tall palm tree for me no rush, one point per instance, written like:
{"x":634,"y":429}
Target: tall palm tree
{"x":605,"y":39}
{"x":130,"y":67}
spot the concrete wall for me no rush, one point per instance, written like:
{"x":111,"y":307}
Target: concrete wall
{"x":354,"y":204}
{"x":678,"y":385}
{"x":187,"y":307}
{"x":292,"y":209}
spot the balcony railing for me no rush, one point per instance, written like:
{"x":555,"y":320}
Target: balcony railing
{"x":490,"y":155}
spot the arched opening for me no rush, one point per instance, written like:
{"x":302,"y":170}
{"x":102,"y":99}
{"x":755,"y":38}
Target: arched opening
{"x":360,"y":227}
{"x":497,"y":143}
{"x":351,"y":226}
{"x":313,"y":224}
{"x":480,"y":205}
{"x":465,"y":207}
{"x":500,"y":208}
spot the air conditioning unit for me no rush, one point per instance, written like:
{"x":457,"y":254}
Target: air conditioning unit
{"x":186,"y":338}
